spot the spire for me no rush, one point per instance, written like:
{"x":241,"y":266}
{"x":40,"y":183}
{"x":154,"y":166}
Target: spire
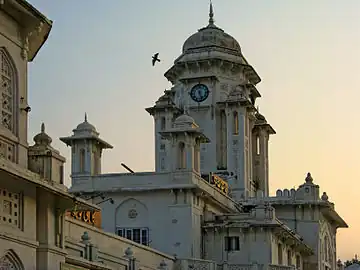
{"x":42,"y":128}
{"x":211,"y":14}
{"x":85,"y":117}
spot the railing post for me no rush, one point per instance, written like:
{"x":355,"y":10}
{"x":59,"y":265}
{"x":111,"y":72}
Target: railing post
{"x":225,"y":265}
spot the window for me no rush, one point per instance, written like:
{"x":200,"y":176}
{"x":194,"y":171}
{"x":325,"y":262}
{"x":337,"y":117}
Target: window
{"x":61,"y":174}
{"x":138,"y":235}
{"x":163,"y":123}
{"x":236,"y":123}
{"x":181,"y":156}
{"x":280,"y":254}
{"x":257,"y":145}
{"x":7,"y":89}
{"x":9,"y":208}
{"x":82,"y":160}
{"x":232,"y":243}
{"x":298,"y":262}
{"x":289,"y":257}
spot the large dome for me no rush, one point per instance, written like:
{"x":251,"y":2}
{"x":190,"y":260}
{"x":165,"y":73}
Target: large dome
{"x":211,"y":36}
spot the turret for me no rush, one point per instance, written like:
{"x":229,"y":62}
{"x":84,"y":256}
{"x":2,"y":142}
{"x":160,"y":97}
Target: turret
{"x":44,"y":159}
{"x":164,"y":112}
{"x":86,"y":149}
{"x":185,"y":138}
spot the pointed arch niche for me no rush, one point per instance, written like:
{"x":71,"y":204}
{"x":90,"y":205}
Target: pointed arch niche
{"x":11,"y":261}
{"x":131,"y":221}
{"x":8,"y":89}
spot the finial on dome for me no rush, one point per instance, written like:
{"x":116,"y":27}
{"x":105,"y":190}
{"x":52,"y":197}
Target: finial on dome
{"x":85,"y":117}
{"x":42,"y":128}
{"x":211,"y":14}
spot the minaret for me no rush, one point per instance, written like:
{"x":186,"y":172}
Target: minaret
{"x":185,"y":138}
{"x":86,"y":149}
{"x":44,"y":159}
{"x":164,"y":112}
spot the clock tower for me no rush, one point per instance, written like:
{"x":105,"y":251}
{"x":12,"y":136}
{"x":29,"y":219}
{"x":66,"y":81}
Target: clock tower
{"x":215,"y":85}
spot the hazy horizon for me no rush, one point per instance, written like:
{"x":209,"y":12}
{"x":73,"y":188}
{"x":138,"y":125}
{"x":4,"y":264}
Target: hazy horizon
{"x":98,"y":60}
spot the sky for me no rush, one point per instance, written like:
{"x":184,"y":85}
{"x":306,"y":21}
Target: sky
{"x":97,"y":60}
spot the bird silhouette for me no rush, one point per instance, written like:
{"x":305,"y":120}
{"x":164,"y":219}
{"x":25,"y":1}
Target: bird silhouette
{"x":155,"y":58}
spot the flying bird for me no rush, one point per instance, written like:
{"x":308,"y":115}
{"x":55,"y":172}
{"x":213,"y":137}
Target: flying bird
{"x":155,"y":58}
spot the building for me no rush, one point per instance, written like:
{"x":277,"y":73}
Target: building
{"x":35,"y":230}
{"x":208,"y":198}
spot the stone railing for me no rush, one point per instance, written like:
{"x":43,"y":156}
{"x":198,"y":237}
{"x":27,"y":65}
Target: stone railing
{"x":194,"y":264}
{"x":280,"y":267}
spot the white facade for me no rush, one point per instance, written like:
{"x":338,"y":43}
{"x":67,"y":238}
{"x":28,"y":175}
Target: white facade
{"x":208,"y":198}
{"x":35,"y":234}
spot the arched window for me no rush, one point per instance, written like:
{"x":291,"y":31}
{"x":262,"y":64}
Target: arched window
{"x":82,"y":160}
{"x":235,"y":123}
{"x":257,"y":145}
{"x":7,"y":88}
{"x":182,"y":156}
{"x":11,"y":261}
{"x":327,"y":248}
{"x":280,"y":254}
{"x":289,"y":257}
{"x":298,"y":262}
{"x":163,"y":123}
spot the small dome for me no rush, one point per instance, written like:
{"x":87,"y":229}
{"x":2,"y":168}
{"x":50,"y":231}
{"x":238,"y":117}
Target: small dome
{"x":85,"y":126}
{"x":325,"y":197}
{"x":42,"y":138}
{"x":212,"y":36}
{"x":184,"y":119}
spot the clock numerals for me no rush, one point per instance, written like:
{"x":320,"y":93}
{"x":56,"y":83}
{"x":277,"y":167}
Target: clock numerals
{"x":199,"y":93}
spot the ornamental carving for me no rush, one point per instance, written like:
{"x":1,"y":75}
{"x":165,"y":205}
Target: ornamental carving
{"x":7,"y":90}
{"x":132,"y":213}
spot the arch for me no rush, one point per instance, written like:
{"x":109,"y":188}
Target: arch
{"x":280,"y":254}
{"x":131,"y":213}
{"x":163,"y":123}
{"x":235,"y":123}
{"x":9,"y":91}
{"x":181,"y":156}
{"x":82,"y":160}
{"x":11,"y":261}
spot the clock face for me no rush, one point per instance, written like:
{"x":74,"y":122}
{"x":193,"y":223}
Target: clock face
{"x":199,"y":92}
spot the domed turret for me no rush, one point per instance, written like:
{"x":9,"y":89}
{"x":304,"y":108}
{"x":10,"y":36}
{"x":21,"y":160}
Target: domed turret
{"x":87,"y":149}
{"x":185,"y":120}
{"x":42,"y":138}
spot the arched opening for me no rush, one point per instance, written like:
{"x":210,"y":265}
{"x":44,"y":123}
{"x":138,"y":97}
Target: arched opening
{"x":181,"y":156}
{"x":163,"y":123}
{"x":222,"y":156}
{"x":235,"y":123}
{"x":326,"y":248}
{"x":257,"y":145}
{"x":197,"y":155}
{"x":82,"y":160}
{"x":8,"y":91}
{"x":298,"y":262}
{"x":11,"y":261}
{"x":289,"y":259}
{"x":280,"y":254}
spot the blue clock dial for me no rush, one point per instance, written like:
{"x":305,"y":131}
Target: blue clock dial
{"x":199,"y":92}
